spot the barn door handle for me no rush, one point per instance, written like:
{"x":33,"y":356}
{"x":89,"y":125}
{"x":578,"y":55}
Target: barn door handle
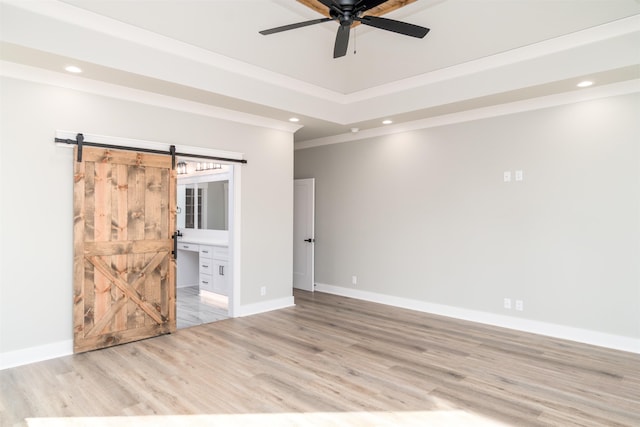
{"x":175,"y":244}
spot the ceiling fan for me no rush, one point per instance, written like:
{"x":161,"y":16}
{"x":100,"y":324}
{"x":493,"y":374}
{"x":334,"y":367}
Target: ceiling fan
{"x":345,"y":12}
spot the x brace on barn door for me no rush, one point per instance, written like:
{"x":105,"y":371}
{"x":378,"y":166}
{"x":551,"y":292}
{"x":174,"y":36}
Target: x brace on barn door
{"x":80,"y":142}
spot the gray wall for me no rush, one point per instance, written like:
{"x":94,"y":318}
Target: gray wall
{"x":36,"y":183}
{"x":425,"y":215}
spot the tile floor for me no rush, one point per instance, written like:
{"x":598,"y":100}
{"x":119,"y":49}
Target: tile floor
{"x":193,"y":310}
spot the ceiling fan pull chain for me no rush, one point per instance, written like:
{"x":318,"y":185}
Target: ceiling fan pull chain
{"x":355,"y":40}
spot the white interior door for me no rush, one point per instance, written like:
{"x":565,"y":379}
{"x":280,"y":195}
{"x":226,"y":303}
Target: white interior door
{"x":303,"y":233}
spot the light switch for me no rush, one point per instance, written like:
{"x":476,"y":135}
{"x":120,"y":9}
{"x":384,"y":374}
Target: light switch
{"x":507,"y":176}
{"x":519,"y":175}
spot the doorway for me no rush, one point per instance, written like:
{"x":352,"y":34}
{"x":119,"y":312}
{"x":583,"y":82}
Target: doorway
{"x":205,"y":191}
{"x":303,"y":234}
{"x":137,"y":168}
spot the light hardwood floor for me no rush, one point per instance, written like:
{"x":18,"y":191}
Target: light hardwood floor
{"x":331,"y":361}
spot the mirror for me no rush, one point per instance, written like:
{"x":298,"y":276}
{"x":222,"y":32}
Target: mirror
{"x":204,"y":205}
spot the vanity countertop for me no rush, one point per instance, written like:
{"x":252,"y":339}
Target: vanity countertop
{"x":209,"y":242}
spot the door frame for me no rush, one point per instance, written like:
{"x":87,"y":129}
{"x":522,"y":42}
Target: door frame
{"x":235,"y":195}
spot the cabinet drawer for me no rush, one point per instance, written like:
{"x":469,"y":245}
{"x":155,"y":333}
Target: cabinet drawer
{"x":221,"y":252}
{"x":206,"y":266}
{"x":206,"y":251}
{"x":188,"y":247}
{"x":206,"y":282}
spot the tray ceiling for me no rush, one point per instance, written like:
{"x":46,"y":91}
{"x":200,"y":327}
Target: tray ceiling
{"x":479,"y":52}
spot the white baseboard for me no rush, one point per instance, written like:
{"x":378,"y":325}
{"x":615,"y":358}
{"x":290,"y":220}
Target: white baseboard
{"x":29,"y":355}
{"x":262,"y":307}
{"x":11,"y":359}
{"x":586,"y":336}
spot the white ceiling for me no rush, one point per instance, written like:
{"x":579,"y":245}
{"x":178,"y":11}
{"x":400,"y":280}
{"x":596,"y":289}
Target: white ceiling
{"x":478,"y":53}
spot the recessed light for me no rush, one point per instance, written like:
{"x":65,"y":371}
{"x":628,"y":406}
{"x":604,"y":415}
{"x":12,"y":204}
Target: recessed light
{"x":73,"y":69}
{"x":294,"y":119}
{"x":585,"y":83}
{"x":387,"y":122}
{"x":355,"y":130}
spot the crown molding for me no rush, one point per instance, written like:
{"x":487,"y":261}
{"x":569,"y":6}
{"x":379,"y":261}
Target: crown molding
{"x":563,"y":57}
{"x":92,"y":21}
{"x":39,"y":75}
{"x":575,"y":40}
{"x":70,"y":14}
{"x":616,"y":89}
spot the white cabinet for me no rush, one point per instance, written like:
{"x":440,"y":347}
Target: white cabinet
{"x":220,"y":282}
{"x":213,"y":269}
{"x":205,"y":264}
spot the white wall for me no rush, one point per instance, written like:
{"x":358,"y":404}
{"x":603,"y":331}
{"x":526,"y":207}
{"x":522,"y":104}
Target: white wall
{"x":36,"y":190}
{"x":425,"y":216}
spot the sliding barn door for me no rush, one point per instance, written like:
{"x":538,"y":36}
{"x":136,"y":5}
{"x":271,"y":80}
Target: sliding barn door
{"x":124,"y":271}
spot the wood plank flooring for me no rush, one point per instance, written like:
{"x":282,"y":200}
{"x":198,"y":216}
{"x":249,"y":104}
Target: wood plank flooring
{"x":330,"y":361}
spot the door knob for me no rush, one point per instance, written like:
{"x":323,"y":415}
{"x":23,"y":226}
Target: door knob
{"x":310,"y":240}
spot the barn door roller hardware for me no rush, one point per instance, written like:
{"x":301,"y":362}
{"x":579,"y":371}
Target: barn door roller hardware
{"x":80,"y":142}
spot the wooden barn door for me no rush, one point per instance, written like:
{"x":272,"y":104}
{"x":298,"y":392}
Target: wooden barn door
{"x":124,"y":271}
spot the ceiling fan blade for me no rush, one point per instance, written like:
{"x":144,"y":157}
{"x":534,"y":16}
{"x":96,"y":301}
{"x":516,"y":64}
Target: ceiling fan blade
{"x":395,"y":26}
{"x":364,"y":5}
{"x":328,"y":3}
{"x":342,"y":41}
{"x":294,"y":26}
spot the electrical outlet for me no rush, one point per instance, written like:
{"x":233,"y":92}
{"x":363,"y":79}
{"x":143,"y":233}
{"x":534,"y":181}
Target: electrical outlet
{"x":263,"y":291}
{"x":507,"y":176}
{"x":507,"y":303}
{"x":519,"y":305}
{"x":354,"y":280}
{"x":519,"y":175}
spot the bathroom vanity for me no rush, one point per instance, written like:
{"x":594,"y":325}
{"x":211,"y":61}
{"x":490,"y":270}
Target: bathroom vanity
{"x":206,"y":264}
{"x":203,"y":221}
